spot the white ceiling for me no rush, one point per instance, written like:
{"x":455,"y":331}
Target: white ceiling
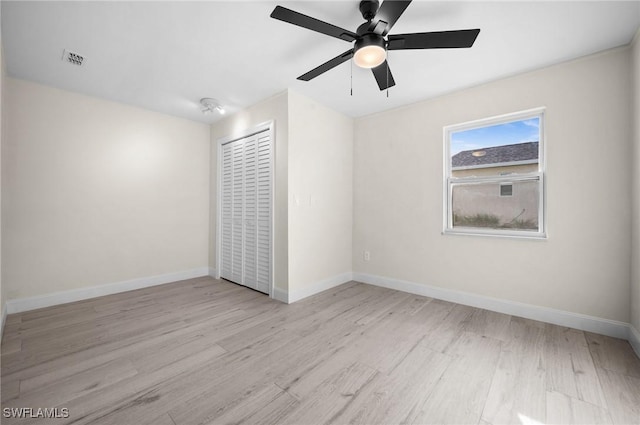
{"x":165,"y":56}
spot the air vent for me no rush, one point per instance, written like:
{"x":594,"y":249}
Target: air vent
{"x":72,"y":58}
{"x":506,"y":189}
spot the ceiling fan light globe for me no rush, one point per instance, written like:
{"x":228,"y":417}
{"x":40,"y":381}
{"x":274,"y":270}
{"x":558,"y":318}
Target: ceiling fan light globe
{"x":370,"y":56}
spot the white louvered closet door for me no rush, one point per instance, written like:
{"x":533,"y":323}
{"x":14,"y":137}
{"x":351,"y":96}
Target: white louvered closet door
{"x":246,"y":212}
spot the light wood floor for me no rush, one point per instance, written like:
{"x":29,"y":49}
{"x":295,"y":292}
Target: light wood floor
{"x":206,"y":351}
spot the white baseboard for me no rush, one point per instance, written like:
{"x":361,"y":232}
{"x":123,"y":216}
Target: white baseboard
{"x":4,"y":319}
{"x":634,"y":339}
{"x":41,"y":301}
{"x":213,"y":273}
{"x":317,"y":287}
{"x":281,"y":295}
{"x":543,"y":314}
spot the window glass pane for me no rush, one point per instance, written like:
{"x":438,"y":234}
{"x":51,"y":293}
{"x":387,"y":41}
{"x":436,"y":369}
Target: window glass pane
{"x":500,"y":149}
{"x":480,"y":205}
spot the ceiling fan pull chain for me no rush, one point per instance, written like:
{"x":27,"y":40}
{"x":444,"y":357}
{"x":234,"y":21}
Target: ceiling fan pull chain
{"x":387,"y":62}
{"x":352,"y":78}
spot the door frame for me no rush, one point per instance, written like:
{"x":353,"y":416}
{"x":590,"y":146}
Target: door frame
{"x":269,"y":127}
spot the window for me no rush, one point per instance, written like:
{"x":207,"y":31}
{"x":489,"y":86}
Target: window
{"x":494,"y":176}
{"x":506,"y":189}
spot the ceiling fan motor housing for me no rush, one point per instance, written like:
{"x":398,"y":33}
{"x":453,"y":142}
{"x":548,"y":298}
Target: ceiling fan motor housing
{"x":369,"y":39}
{"x":369,"y":8}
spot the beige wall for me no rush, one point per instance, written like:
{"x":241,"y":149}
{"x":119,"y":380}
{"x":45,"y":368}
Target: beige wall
{"x":583,"y":267}
{"x":276,"y":109}
{"x":96,"y":192}
{"x":320,"y":192}
{"x":3,"y":298}
{"x":635,"y":251}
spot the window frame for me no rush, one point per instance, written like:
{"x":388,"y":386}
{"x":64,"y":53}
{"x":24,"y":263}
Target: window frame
{"x":450,"y":181}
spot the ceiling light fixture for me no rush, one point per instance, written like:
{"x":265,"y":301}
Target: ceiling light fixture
{"x":370,"y":51}
{"x":209,"y":105}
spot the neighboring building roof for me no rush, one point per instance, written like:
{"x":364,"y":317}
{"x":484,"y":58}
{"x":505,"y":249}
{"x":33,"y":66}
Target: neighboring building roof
{"x":496,"y":155}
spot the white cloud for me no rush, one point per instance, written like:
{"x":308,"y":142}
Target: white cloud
{"x":459,"y":146}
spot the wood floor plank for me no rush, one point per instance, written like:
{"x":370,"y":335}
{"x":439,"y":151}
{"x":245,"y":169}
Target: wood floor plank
{"x":302,"y":381}
{"x":213,"y":398}
{"x":11,"y":344}
{"x":467,"y":378}
{"x":623,"y":396}
{"x":216,"y":398}
{"x":350,"y":308}
{"x":78,"y":385}
{"x":613,"y":354}
{"x":397,"y":337}
{"x":386,"y":305}
{"x":94,"y":329}
{"x":332,"y":396}
{"x":521,"y":321}
{"x":562,"y":409}
{"x":119,"y":404}
{"x":299,"y":358}
{"x":488,"y":323}
{"x":518,"y":385}
{"x":413,"y":304}
{"x":9,"y":389}
{"x":194,"y":394}
{"x":448,"y":328}
{"x":397,"y":334}
{"x":164,"y":419}
{"x":268,"y":405}
{"x":39,"y":353}
{"x":12,"y":320}
{"x":397,"y":397}
{"x":570,"y":367}
{"x":29,"y":363}
{"x":172,"y":351}
{"x":62,"y":367}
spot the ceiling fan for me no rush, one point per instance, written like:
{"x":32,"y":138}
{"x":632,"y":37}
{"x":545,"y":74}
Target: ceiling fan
{"x":370,"y":45}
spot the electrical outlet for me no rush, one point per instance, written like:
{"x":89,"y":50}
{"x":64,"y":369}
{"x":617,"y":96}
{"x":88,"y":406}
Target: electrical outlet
{"x":367,"y":255}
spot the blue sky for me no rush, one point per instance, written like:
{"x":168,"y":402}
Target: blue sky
{"x":496,"y":135}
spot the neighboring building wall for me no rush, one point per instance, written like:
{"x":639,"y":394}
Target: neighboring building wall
{"x":583,"y":266}
{"x":520,"y":210}
{"x":97,"y":192}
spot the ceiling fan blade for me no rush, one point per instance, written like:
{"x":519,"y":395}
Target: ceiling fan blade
{"x":433,"y":40}
{"x":313,"y":24}
{"x":389,"y":12}
{"x":327,"y":66}
{"x":383,"y":79}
